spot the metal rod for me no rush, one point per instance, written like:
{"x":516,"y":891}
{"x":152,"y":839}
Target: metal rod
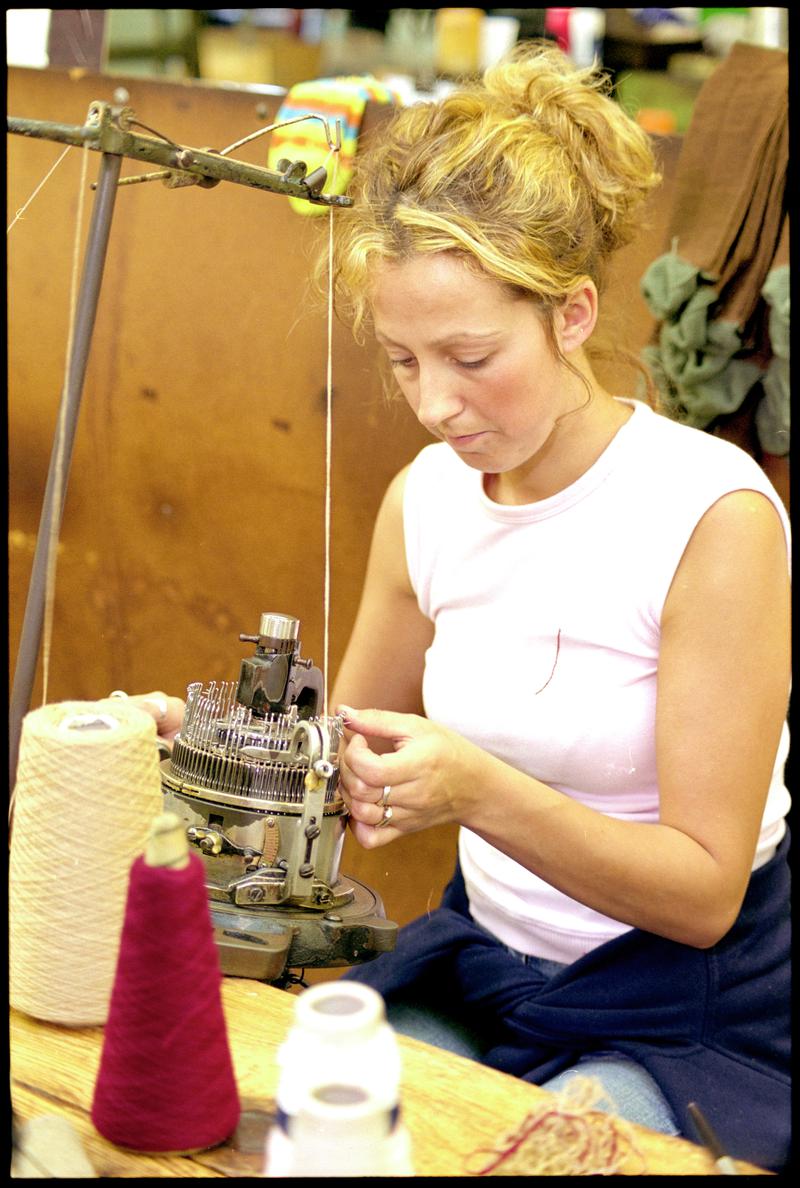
{"x":47,"y":130}
{"x":86,"y":310}
{"x":106,"y":132}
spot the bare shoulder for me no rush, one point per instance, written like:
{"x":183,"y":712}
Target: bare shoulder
{"x":749,"y":513}
{"x":738,"y":547}
{"x":392,"y":502}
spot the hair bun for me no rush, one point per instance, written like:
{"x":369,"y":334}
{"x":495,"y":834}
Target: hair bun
{"x":610,"y":153}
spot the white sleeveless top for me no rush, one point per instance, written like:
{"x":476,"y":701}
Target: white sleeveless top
{"x":547,"y":628}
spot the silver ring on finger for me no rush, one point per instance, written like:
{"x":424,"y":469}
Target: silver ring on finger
{"x":386,"y":794}
{"x":386,"y":818}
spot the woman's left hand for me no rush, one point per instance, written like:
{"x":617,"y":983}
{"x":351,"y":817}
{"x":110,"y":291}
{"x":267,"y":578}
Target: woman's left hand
{"x":424,"y":781}
{"x":166,"y":711}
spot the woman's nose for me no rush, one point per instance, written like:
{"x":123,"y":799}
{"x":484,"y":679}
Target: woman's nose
{"x":437,"y":399}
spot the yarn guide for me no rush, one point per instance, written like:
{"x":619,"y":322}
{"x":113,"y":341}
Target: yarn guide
{"x":108,"y":129}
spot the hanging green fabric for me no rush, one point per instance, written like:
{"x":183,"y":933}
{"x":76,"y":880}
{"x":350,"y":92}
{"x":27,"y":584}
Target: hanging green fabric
{"x":715,"y":337}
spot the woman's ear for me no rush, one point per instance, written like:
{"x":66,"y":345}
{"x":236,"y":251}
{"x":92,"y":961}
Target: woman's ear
{"x":576,"y":317}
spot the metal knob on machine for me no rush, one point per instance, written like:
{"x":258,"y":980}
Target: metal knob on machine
{"x":276,"y":676}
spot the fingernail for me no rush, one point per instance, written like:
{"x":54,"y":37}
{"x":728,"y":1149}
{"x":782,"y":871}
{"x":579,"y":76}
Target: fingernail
{"x":344,"y":711}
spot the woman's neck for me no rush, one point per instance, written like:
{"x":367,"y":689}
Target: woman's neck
{"x":576,"y":442}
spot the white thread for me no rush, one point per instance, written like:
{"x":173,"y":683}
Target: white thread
{"x":22,"y":209}
{"x":86,"y":799}
{"x":328,"y":450}
{"x":58,"y":480}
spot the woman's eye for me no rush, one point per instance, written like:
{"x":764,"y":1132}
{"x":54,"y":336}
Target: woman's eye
{"x":469,"y":364}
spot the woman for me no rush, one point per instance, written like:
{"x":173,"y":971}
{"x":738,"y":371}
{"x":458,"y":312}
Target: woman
{"x":575,"y":629}
{"x":575,"y":622}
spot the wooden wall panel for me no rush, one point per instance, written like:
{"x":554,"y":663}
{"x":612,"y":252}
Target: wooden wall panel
{"x":196,"y":495}
{"x":196,"y":498}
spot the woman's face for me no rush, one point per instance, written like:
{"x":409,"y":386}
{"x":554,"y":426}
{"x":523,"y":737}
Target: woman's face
{"x":474,"y":362}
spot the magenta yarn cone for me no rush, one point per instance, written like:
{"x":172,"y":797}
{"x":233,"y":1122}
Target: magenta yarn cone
{"x":166,"y":1079}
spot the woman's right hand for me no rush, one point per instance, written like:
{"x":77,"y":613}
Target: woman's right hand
{"x":427,"y":778}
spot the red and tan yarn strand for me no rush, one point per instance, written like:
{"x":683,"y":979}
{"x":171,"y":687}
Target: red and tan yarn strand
{"x":567,"y":1136}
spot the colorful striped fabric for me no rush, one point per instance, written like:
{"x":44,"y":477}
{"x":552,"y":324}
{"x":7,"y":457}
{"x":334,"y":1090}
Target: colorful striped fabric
{"x":332,"y":98}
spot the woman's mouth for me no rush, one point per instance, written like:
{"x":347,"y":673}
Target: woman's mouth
{"x":460,"y":441}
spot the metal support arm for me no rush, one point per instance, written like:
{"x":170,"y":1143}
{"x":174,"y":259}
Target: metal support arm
{"x":107,"y":130}
{"x":52,"y":508}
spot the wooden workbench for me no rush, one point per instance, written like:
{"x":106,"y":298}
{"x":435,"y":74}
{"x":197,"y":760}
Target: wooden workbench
{"x":451,"y":1106}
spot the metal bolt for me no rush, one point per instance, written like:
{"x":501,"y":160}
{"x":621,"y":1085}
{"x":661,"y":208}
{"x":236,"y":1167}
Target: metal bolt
{"x":306,"y":870}
{"x":184,"y":158}
{"x":256,"y":894}
{"x":316,"y":179}
{"x":332,"y":918}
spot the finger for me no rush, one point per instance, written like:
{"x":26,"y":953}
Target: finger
{"x":371,"y":838}
{"x":167,"y":712}
{"x":376,"y":771}
{"x":369,"y":812}
{"x":379,"y":723}
{"x":367,"y":774}
{"x":350,"y":781}
{"x":355,"y":744}
{"x":365,"y":771}
{"x":355,"y":790}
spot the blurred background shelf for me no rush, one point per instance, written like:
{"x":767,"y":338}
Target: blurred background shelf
{"x":657,"y":58}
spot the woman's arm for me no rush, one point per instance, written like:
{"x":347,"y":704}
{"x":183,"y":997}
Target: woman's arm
{"x":385,"y":655}
{"x":723,"y":686}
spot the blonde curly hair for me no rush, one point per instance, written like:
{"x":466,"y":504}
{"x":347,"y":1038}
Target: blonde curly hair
{"x":534,"y":175}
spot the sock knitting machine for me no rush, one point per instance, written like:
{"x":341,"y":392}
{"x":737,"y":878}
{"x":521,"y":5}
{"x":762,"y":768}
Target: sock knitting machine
{"x":254,"y":775}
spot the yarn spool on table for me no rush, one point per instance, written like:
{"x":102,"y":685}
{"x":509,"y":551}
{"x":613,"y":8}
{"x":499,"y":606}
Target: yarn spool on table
{"x":166,"y":1082}
{"x":88,"y":786}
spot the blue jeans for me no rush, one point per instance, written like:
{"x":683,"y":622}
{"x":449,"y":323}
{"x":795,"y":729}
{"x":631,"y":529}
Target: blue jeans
{"x":633,"y":1093}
